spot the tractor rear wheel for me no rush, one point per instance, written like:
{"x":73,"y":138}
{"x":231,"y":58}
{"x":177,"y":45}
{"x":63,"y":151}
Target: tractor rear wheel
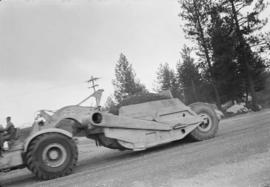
{"x":209,"y":127}
{"x":51,"y":155}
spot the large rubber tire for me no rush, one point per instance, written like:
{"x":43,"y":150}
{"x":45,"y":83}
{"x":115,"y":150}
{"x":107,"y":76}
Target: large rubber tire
{"x":209,"y":128}
{"x":51,"y":155}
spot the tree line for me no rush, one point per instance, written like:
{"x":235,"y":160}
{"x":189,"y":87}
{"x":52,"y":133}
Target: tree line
{"x":228,"y":61}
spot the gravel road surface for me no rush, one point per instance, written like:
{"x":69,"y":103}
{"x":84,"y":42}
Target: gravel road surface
{"x":238,"y":156}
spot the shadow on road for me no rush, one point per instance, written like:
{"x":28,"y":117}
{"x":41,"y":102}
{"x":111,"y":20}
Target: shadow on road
{"x":23,"y":176}
{"x":119,"y":156}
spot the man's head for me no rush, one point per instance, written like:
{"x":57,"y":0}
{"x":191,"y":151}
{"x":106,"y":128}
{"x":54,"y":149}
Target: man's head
{"x":8,"y":119}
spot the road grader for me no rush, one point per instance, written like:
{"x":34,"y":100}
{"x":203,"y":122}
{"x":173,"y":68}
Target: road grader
{"x":50,"y":150}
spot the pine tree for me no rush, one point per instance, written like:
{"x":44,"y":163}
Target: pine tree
{"x":245,"y":24}
{"x":110,"y":105}
{"x":189,"y":77}
{"x":125,"y":83}
{"x":195,"y":14}
{"x":166,"y":79}
{"x":223,"y":44}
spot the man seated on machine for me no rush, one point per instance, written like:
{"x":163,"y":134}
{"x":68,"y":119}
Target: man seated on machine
{"x":7,"y":134}
{"x":2,"y":130}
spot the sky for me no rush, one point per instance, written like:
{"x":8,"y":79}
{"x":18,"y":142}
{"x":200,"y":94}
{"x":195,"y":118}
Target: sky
{"x":48,"y":49}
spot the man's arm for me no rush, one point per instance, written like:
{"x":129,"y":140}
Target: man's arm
{"x":2,"y":129}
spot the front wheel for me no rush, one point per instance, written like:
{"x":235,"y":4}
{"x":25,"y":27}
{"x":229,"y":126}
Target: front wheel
{"x":208,"y":128}
{"x":51,"y":155}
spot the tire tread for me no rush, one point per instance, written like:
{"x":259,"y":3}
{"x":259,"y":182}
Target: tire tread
{"x":196,"y":135}
{"x":33,"y":166}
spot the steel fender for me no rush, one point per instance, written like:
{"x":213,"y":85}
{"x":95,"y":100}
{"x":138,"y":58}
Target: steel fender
{"x":49,"y":130}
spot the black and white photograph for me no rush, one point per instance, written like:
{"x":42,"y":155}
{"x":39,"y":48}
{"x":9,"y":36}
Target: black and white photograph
{"x":135,"y":93}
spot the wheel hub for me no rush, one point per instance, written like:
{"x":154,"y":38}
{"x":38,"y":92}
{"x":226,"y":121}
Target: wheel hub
{"x":54,"y":155}
{"x":206,"y":124}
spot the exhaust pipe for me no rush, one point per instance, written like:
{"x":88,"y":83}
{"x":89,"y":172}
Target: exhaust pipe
{"x":96,"y":118}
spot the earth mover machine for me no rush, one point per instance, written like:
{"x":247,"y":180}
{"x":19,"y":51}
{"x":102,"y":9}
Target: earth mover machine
{"x":50,"y":150}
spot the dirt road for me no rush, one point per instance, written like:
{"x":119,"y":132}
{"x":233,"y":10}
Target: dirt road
{"x":238,"y":156}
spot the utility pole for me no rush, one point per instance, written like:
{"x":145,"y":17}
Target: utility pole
{"x":92,"y":82}
{"x":96,"y":93}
